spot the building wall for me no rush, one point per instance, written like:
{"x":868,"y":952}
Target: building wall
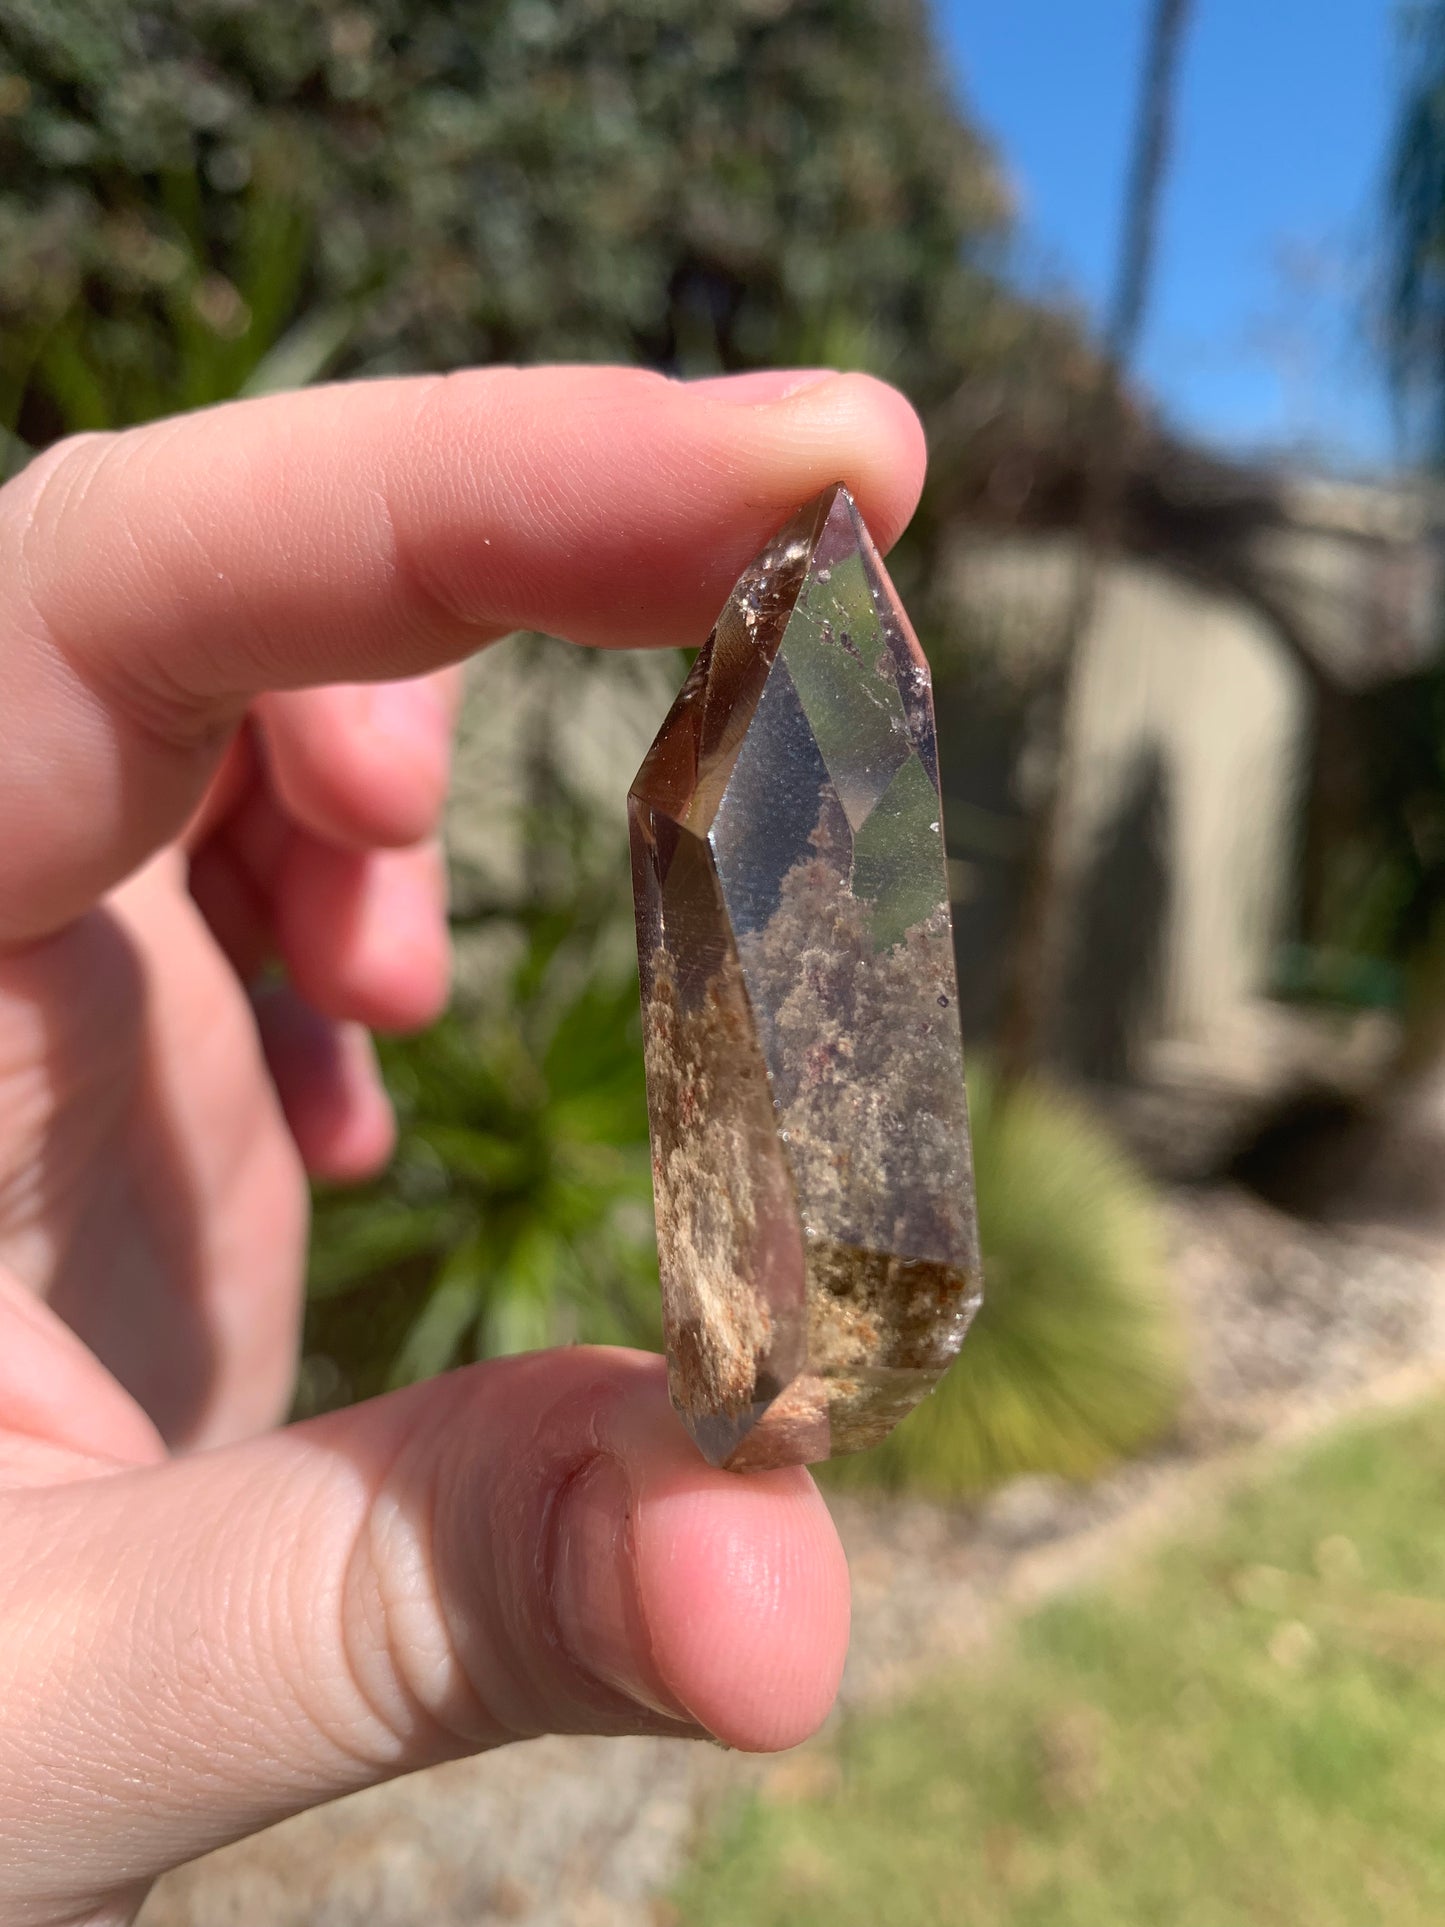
{"x":1201,"y":682}
{"x":1190,"y":727}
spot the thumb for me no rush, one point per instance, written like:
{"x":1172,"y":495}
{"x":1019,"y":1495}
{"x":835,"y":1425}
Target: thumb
{"x":192,"y":1650}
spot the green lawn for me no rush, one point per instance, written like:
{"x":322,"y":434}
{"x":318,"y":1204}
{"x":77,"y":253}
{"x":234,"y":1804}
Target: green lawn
{"x":1247,"y":1730}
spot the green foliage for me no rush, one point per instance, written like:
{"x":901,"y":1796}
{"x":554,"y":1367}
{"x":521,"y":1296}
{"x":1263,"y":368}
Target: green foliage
{"x":1378,"y":928}
{"x":1246,"y":1731}
{"x":180,"y":335}
{"x":517,"y":1211}
{"x":686,"y":184}
{"x":1075,"y":1358}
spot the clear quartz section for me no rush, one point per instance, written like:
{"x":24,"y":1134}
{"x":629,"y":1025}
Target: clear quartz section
{"x":814,"y":1189}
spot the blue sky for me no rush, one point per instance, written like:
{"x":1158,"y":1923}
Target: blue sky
{"x":1258,"y":335}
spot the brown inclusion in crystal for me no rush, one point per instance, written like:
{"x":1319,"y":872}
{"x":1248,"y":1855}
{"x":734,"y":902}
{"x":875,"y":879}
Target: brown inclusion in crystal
{"x":811,"y":1165}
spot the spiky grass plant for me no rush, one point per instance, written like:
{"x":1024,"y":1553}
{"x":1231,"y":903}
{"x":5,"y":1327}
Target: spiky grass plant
{"x":1075,"y":1360}
{"x":517,"y":1211}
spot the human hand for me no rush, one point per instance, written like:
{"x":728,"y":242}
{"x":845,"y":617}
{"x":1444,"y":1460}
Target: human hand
{"x":192,"y":782}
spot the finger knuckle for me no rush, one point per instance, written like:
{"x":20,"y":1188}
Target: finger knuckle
{"x":401,"y":1649}
{"x":447,"y":1615}
{"x":49,"y":519}
{"x":37,"y":503}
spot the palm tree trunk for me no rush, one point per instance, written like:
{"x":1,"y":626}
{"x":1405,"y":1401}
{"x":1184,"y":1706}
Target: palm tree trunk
{"x":1036,"y":952}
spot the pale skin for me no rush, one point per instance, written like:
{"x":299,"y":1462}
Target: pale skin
{"x":226,"y":691}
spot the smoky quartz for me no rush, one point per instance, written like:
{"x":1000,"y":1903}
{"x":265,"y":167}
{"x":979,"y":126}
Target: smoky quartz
{"x":811,"y":1165}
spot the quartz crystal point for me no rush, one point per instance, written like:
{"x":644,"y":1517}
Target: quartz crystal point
{"x":810,"y":1151}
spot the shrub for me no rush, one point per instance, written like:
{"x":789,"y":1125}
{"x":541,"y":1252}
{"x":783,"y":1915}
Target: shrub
{"x":688,"y":184}
{"x":1075,"y":1359}
{"x":517,"y":1211}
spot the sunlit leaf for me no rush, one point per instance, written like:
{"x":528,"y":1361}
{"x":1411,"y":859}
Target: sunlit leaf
{"x":450,"y":1311}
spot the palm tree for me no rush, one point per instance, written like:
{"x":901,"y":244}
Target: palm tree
{"x":1415,"y":306}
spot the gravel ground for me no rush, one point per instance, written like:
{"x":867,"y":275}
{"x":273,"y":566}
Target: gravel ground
{"x":1288,"y":1322}
{"x":1284,"y":1314}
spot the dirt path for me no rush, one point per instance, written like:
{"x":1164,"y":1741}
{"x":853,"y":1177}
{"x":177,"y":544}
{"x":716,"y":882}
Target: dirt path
{"x":1291,"y":1330}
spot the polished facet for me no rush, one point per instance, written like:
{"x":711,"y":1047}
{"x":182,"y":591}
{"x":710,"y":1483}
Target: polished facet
{"x":810,"y":1147}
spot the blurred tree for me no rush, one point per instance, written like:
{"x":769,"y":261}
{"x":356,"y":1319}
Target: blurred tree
{"x":1415,"y":309}
{"x":694,"y":184}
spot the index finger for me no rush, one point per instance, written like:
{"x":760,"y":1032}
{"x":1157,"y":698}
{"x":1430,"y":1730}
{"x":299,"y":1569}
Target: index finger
{"x":157,"y":581}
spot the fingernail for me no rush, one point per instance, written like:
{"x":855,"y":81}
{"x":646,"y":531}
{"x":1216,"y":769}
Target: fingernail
{"x":594,"y":1588}
{"x":412,"y":717}
{"x":762,"y":385}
